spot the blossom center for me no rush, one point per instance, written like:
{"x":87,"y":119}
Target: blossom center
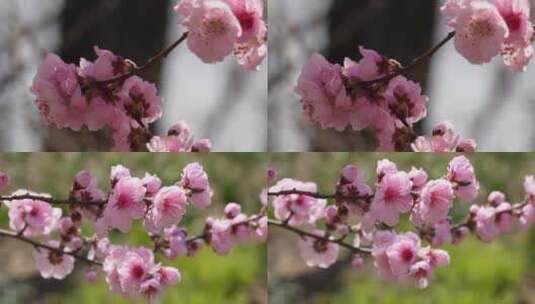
{"x":481,"y":28}
{"x":246,"y":20}
{"x":123,"y":201}
{"x":391,"y":194}
{"x":55,"y":257}
{"x":33,"y":212}
{"x":214,"y":27}
{"x":435,"y":197}
{"x":407,"y":254}
{"x":513,"y":21}
{"x":321,"y":246}
{"x":137,"y":271}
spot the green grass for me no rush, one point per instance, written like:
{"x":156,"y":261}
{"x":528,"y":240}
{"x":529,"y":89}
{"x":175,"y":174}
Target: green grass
{"x":208,"y":278}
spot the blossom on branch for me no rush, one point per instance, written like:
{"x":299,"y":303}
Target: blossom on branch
{"x":365,"y":220}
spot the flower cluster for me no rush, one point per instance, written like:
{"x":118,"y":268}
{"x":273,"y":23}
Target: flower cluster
{"x":444,"y":138}
{"x":130,"y":271}
{"x":485,"y":29}
{"x":218,"y":28}
{"x":374,"y":92}
{"x":179,"y":138}
{"x":32,"y":217}
{"x":108,"y":93}
{"x":363,"y":219}
{"x":72,"y":97}
{"x":335,"y":96}
{"x":401,"y":257}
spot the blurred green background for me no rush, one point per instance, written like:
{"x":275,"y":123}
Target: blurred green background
{"x":208,"y":278}
{"x":500,"y":272}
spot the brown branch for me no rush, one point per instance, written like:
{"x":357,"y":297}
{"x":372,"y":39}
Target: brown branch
{"x":419,"y":60}
{"x":468,"y":222}
{"x":50,"y":200}
{"x":20,"y":237}
{"x":319,"y":195}
{"x":154,"y":59}
{"x":159,"y":243}
{"x":304,"y":233}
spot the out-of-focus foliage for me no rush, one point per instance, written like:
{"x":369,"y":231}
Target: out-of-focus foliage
{"x":208,"y":278}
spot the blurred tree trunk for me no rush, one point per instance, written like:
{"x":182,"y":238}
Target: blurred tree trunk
{"x":135,"y":29}
{"x":400,"y":30}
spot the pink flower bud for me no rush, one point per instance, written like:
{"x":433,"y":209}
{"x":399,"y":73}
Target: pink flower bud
{"x":232,"y":210}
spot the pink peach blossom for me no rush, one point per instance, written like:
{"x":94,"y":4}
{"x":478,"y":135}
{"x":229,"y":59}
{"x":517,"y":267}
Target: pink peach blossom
{"x":517,"y":50}
{"x":436,"y":200}
{"x":405,"y":101}
{"x":152,"y":184}
{"x":125,"y":203}
{"x":323,"y":95}
{"x":252,"y":53}
{"x":486,"y":219}
{"x":168,"y":208}
{"x":461,"y":172}
{"x":232,"y":210}
{"x":496,"y":197}
{"x":249,"y":14}
{"x":221,"y":238}
{"x":318,"y":252}
{"x":140,"y":100}
{"x":368,"y":68}
{"x":90,"y":275}
{"x":169,"y":276}
{"x":177,"y":238}
{"x":527,"y":217}
{"x":383,"y":240}
{"x":392,"y":197}
{"x":480,"y":31}
{"x":529,"y":187}
{"x":297,"y":209}
{"x":58,"y":93}
{"x":421,"y":271}
{"x":444,"y":139}
{"x":452,"y":8}
{"x":195,"y":179}
{"x":385,"y":167}
{"x":516,"y":14}
{"x":403,"y":253}
{"x":442,"y":233}
{"x":352,"y":185}
{"x":203,"y":145}
{"x":35,"y":217}
{"x":53,"y":264}
{"x":134,"y":268}
{"x":418,"y":178}
{"x":213,"y":30}
{"x":467,"y":145}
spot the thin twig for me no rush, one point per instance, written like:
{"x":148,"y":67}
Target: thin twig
{"x":419,"y":60}
{"x":302,"y":233}
{"x":50,"y":200}
{"x":204,"y":236}
{"x":14,"y":235}
{"x":469,"y":219}
{"x":319,"y":195}
{"x":138,"y":70}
